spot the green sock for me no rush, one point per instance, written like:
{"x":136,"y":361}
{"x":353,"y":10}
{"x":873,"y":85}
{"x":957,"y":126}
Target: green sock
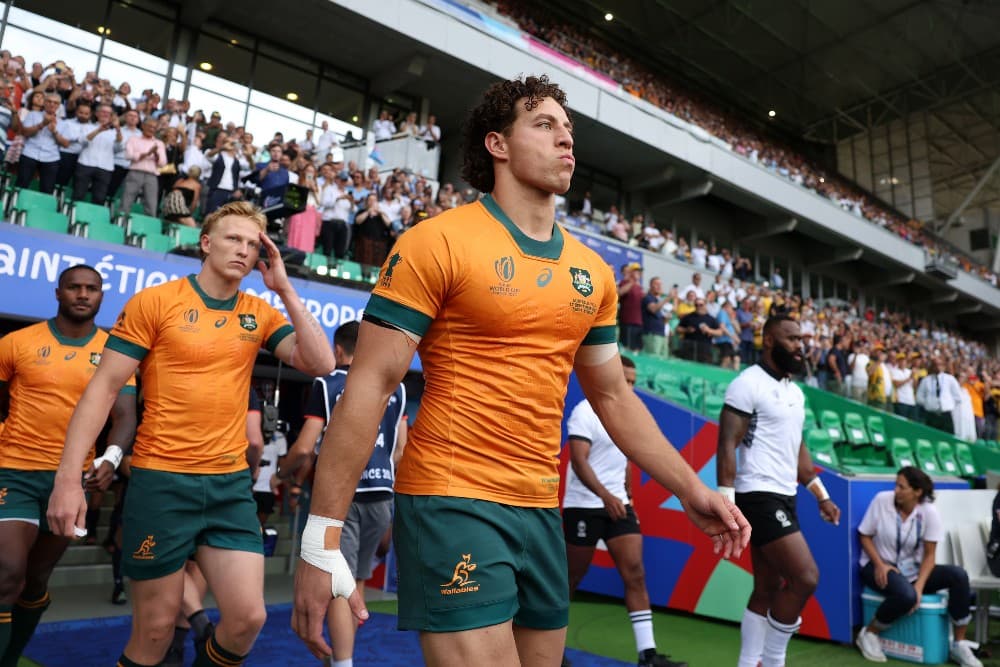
{"x":213,"y":655}
{"x":5,"y":626}
{"x":24,"y":620}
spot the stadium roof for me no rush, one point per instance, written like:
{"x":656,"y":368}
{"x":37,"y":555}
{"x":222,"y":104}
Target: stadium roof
{"x":831,"y":69}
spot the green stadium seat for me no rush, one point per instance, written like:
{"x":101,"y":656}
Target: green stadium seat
{"x":713,"y":406}
{"x":157,"y":243}
{"x":348,"y":270}
{"x":184,"y":235}
{"x":663,"y":382}
{"x":81,"y":212}
{"x":830,"y":422}
{"x":810,"y":420}
{"x":876,"y":431}
{"x":966,"y":463}
{"x":138,"y":224}
{"x":946,"y":456}
{"x":820,"y":446}
{"x":106,"y":233}
{"x":26,"y":200}
{"x":317,"y":261}
{"x":854,"y":429}
{"x":677,"y":396}
{"x":901,"y":453}
{"x":52,"y":221}
{"x":926,"y":458}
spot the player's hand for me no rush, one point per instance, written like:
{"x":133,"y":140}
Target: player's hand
{"x":273,"y":272}
{"x":275,"y":483}
{"x":99,"y":479}
{"x":314,"y":589}
{"x":720,"y":519}
{"x":67,"y":508}
{"x":830,"y":512}
{"x":614,"y":507}
{"x":882,"y":574}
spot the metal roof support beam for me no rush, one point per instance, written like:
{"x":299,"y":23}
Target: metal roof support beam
{"x":983,"y":180}
{"x":680,"y":193}
{"x":772,"y":228}
{"x":903,"y":278}
{"x":947,"y":297}
{"x":848,"y":255}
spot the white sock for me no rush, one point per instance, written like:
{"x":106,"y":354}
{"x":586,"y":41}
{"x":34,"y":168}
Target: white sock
{"x":752,"y":630}
{"x":642,"y":627}
{"x":776,"y":641}
{"x":343,"y":663}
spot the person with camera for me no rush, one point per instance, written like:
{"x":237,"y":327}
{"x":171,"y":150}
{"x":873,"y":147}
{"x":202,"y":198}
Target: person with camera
{"x":223,"y":184}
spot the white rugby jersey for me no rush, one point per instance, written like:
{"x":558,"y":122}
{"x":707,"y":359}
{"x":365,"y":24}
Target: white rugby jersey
{"x":605,"y":458}
{"x":768,"y":455}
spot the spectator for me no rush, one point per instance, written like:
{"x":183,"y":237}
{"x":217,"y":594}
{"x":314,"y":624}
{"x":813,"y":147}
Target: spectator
{"x":975,"y":389}
{"x":879,"y":380}
{"x":304,"y":227}
{"x":72,"y":130}
{"x":336,"y":207}
{"x":121,"y":103}
{"x":430,"y":132}
{"x":179,"y":203}
{"x":372,"y":234}
{"x":409,"y":127}
{"x":777,"y":281}
{"x":857,"y":383}
{"x":212,"y":131}
{"x":41,"y":148}
{"x":938,"y":394}
{"x":899,"y":536}
{"x":656,"y":308}
{"x":630,"y":301}
{"x":223,"y":184}
{"x":272,"y":174}
{"x":130,"y":129}
{"x":699,"y":255}
{"x":96,"y":163}
{"x":904,"y":400}
{"x":726,"y":342}
{"x":307,"y":145}
{"x":174,"y":143}
{"x":327,"y":142}
{"x":694,"y":286}
{"x":698,"y":329}
{"x":383,"y":127}
{"x":745,"y":321}
{"x":146,"y":154}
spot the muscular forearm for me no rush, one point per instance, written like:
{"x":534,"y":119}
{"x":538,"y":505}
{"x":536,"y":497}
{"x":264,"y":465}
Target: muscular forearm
{"x":312,"y":353}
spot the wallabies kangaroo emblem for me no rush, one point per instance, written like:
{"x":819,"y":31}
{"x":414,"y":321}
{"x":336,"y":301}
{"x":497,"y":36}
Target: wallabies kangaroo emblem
{"x":460,"y":577}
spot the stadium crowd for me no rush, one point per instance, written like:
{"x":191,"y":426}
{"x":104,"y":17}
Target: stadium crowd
{"x":103,"y":143}
{"x":745,"y":140}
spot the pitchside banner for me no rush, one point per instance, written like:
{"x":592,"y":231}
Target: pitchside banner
{"x":613,"y":253}
{"x":31,"y":260}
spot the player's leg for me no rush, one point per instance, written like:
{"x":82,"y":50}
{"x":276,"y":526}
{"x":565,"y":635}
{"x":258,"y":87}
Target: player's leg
{"x":753,"y":626}
{"x":625,"y":546}
{"x":540,"y":648}
{"x":155,"y":603}
{"x":17,"y":538}
{"x":582,"y":528}
{"x":34,"y":598}
{"x":790,"y":557}
{"x":191,"y":613}
{"x":491,"y":645}
{"x":236,"y":579}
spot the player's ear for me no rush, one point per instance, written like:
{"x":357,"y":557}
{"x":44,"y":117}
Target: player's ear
{"x":496,"y":145}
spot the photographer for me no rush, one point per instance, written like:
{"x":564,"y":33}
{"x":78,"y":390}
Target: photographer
{"x":225,"y":179}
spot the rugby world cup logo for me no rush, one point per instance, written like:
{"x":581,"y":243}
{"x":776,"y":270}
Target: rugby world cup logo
{"x":504,"y":267}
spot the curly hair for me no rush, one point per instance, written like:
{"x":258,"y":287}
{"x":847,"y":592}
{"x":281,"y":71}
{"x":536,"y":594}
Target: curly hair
{"x":496,"y":113}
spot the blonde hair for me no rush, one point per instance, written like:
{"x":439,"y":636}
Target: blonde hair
{"x":240,"y":209}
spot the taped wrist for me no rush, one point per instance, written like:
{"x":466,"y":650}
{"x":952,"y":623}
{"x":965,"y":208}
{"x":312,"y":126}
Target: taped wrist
{"x":728,"y":492}
{"x":315,"y":552}
{"x":112,"y":454}
{"x":815,"y":486}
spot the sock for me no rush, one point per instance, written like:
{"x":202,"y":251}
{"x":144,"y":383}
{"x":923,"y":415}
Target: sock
{"x":752,"y":630}
{"x":116,"y":566}
{"x":200,"y":624}
{"x":343,"y":663}
{"x":24,"y":619}
{"x":125,"y":662}
{"x":216,"y":656}
{"x":776,"y":641}
{"x":642,"y":628}
{"x":180,"y":636}
{"x":5,"y":626}
{"x":93,"y":517}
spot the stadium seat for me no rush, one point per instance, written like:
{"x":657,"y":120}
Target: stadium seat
{"x":926,"y":458}
{"x":85,"y":213}
{"x":876,"y":431}
{"x":810,"y":420}
{"x":946,"y":456}
{"x":902,"y":453}
{"x":157,"y":243}
{"x":347,"y":270}
{"x":820,"y":447}
{"x":50,"y":220}
{"x":829,"y":421}
{"x":854,"y":429}
{"x":184,"y":235}
{"x":713,"y":406}
{"x":28,"y":200}
{"x":106,"y":233}
{"x":966,"y":463}
{"x":677,"y":396}
{"x":318,"y":262}
{"x":138,"y":224}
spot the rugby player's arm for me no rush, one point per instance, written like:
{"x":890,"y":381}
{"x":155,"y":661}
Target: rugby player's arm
{"x":632,"y":428}
{"x":67,"y":506}
{"x":255,"y":441}
{"x":733,"y":425}
{"x":402,"y":433}
{"x":381,"y":359}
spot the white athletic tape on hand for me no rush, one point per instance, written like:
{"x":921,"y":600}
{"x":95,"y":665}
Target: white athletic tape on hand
{"x":315,"y":553}
{"x":112,"y":454}
{"x":728,"y":492}
{"x":79,"y":532}
{"x":818,"y":489}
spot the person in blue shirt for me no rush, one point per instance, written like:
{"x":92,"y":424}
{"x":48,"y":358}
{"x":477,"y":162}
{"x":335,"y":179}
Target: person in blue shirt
{"x":271,"y":174}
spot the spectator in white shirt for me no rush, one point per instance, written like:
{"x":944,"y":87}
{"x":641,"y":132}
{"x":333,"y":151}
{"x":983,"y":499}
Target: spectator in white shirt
{"x":383,"y":127}
{"x":73,"y":131}
{"x":41,"y":150}
{"x":695,"y":286}
{"x":430,"y":132}
{"x":96,"y":163}
{"x":905,"y":402}
{"x":130,"y":128}
{"x":699,"y":255}
{"x":326,"y":141}
{"x":335,"y":207}
{"x":939,"y":394}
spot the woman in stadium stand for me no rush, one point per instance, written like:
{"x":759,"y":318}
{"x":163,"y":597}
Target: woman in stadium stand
{"x":899,"y":535}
